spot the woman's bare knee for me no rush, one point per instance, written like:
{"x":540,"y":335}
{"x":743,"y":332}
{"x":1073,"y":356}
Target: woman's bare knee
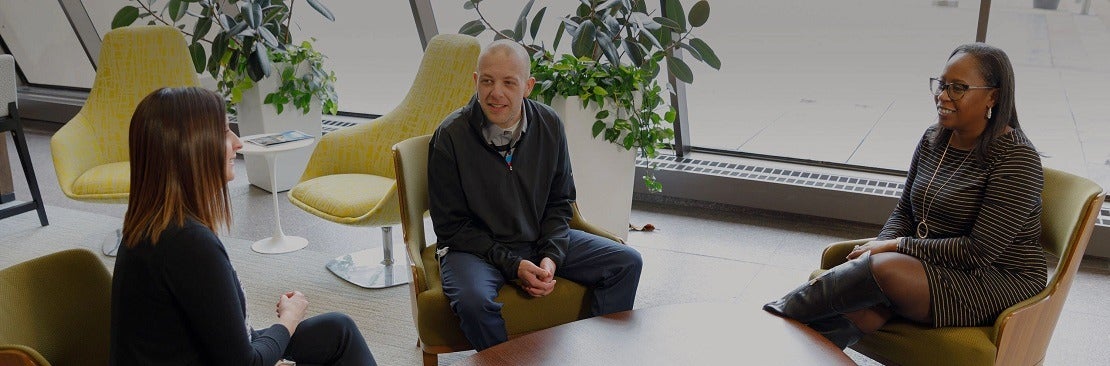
{"x":902,"y":279}
{"x":871,"y":319}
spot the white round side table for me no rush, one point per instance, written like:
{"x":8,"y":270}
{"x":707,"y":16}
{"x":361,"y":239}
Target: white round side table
{"x":279,"y":242}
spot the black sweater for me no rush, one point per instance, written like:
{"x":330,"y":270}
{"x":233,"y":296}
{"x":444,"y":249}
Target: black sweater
{"x":481,"y":206}
{"x":180,"y":303}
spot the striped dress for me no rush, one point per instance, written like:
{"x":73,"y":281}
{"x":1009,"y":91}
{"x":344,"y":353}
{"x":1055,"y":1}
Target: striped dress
{"x":982,"y":252}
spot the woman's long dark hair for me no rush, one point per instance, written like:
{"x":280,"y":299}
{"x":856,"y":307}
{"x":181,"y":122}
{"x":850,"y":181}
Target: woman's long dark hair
{"x":177,"y":143}
{"x":996,"y":70}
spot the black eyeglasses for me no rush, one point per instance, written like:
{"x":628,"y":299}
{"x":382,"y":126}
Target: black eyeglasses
{"x":955,"y":90}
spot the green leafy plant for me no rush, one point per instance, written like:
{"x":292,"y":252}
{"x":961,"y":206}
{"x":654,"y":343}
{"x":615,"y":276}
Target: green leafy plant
{"x":245,"y":39}
{"x":616,"y":50}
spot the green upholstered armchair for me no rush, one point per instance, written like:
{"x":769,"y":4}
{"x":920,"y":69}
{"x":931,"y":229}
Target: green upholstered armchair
{"x":1020,"y":335}
{"x":437,"y":327}
{"x":349,"y":178}
{"x":90,"y":151}
{"x":55,"y":310}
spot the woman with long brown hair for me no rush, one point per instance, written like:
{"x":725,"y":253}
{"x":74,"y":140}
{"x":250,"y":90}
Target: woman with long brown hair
{"x":175,"y":297}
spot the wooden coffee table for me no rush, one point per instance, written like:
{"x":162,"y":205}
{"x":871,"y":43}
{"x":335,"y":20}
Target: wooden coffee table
{"x":683,"y":334}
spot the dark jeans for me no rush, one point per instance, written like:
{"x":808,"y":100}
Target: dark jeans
{"x":610,"y":269}
{"x":329,"y":339}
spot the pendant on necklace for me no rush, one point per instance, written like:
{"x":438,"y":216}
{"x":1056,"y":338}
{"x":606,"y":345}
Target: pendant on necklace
{"x":922,"y":229}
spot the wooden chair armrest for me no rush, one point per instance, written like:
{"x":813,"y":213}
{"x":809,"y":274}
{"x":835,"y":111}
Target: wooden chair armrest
{"x":20,"y":355}
{"x":835,"y":253}
{"x":1018,"y":331}
{"x":415,"y":260}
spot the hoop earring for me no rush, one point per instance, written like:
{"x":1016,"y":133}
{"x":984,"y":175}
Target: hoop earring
{"x":988,"y":113}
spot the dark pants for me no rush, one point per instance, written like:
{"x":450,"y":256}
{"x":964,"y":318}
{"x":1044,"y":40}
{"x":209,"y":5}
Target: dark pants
{"x":610,"y":269}
{"x":329,"y":339}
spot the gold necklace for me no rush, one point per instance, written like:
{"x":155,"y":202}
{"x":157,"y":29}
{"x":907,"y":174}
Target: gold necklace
{"x":923,"y":227}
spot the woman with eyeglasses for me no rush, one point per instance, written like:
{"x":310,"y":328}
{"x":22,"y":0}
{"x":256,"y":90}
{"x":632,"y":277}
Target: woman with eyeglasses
{"x":175,"y":297}
{"x":962,"y":245}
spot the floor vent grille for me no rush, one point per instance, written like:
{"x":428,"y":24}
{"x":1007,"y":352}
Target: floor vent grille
{"x":327,"y":125}
{"x":778,"y":175}
{"x":795,"y":177}
{"x":333,"y":125}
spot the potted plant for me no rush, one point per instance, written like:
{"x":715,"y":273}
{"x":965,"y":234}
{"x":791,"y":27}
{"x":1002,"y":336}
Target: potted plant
{"x":606,"y":87}
{"x":247,"y":47}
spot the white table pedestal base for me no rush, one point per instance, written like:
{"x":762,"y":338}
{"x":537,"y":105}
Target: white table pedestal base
{"x":279,"y":244}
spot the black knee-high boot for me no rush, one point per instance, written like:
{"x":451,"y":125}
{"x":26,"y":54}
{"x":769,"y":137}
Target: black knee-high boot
{"x":839,"y":330}
{"x":822,"y":302}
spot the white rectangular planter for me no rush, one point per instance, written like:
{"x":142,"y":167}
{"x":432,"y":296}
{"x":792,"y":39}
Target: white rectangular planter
{"x":604,"y":173}
{"x":255,"y":118}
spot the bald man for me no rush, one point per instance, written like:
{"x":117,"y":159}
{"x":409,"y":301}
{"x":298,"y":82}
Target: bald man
{"x":500,"y":185}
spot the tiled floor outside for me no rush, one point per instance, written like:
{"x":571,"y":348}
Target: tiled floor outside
{"x":846,"y":81}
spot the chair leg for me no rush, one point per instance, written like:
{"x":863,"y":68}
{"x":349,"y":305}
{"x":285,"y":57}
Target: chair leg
{"x":28,"y":169}
{"x":14,"y":125}
{"x":110,"y":244}
{"x":430,"y":359}
{"x":365,"y":269}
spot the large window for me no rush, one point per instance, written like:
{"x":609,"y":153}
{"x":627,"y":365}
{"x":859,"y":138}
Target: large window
{"x":450,"y":15}
{"x":832,"y":81}
{"x":102,"y":11}
{"x":40,"y":38}
{"x":1062,"y":65}
{"x":842,"y":82}
{"x":372,"y":46}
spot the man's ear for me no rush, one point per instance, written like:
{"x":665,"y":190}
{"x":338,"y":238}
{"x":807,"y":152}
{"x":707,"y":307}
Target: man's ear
{"x":528,"y":85}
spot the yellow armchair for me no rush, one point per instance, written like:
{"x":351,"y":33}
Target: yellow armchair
{"x":349,"y":178}
{"x":90,"y":151}
{"x":437,"y":327}
{"x":1020,"y":335}
{"x":55,"y":309}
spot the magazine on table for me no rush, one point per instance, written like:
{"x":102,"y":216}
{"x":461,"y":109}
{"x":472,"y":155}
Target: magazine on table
{"x":279,"y":138}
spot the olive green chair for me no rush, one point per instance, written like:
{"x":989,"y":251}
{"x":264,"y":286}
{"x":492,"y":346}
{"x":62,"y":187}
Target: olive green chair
{"x":1020,"y":335}
{"x":55,"y":310}
{"x":437,"y":327}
